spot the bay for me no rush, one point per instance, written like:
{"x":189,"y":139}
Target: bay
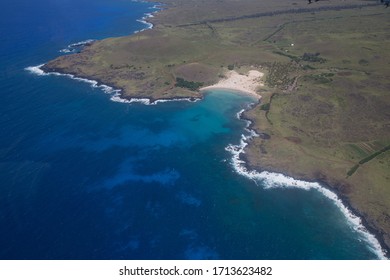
{"x":82,"y":177}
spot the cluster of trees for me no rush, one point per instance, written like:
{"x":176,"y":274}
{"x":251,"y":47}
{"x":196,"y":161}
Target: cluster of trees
{"x":265,"y":106}
{"x":377,"y":153}
{"x":367,"y":159}
{"x":353,"y":170}
{"x":180,"y":82}
{"x":313,"y":57}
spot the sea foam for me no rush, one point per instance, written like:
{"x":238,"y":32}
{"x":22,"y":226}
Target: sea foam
{"x":76,"y":46}
{"x":37,"y":70}
{"x":149,"y":25}
{"x":144,"y":20}
{"x":116,"y":97}
{"x":271,"y":180}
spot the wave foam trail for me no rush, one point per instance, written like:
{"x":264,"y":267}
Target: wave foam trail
{"x":144,"y":20}
{"x":272,"y":180}
{"x":81,"y":43}
{"x":67,"y":50}
{"x":36,"y":70}
{"x":76,"y":46}
{"x":146,"y":101}
{"x":148,"y":25}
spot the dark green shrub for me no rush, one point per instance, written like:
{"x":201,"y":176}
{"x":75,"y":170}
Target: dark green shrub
{"x":180,"y":82}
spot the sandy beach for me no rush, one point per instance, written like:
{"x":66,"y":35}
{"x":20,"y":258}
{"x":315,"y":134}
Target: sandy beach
{"x":238,"y":82}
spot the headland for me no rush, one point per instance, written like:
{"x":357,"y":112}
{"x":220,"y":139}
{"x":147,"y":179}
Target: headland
{"x":325,"y":103}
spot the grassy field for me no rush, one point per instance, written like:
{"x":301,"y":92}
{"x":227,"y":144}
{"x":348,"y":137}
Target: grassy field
{"x":326,"y":84}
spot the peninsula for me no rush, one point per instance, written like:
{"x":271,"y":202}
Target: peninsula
{"x":325,"y":105}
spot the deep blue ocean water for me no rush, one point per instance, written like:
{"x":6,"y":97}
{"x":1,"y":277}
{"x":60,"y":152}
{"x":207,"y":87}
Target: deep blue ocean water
{"x":82,"y":177}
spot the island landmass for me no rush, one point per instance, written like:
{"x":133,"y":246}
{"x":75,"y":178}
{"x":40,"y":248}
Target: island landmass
{"x":325,"y":103}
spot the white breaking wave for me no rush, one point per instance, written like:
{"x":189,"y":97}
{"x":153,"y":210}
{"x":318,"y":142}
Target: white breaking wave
{"x":277,"y":180}
{"x":155,"y":7}
{"x":38,"y":71}
{"x":146,"y":101}
{"x":73,"y":47}
{"x":67,"y":50}
{"x":143,"y":20}
{"x":81,"y":43}
{"x":148,"y":24}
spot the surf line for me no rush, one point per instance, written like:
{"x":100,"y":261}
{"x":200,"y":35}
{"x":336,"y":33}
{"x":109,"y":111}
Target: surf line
{"x":74,"y":47}
{"x":273,"y":180}
{"x":156,"y":7}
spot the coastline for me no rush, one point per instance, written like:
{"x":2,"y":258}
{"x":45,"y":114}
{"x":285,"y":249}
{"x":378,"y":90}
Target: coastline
{"x":118,"y":97}
{"x":276,"y":179}
{"x":116,"y":94}
{"x":247,"y":84}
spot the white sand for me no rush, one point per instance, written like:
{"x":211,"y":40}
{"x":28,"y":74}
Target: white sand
{"x":237,"y":82}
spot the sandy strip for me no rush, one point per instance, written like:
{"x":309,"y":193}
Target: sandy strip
{"x":237,"y":82}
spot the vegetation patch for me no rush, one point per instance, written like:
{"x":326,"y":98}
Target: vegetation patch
{"x":372,"y":156}
{"x":180,"y":82}
{"x":308,"y":67}
{"x":322,"y":78}
{"x":313,"y":57}
{"x":363,"y":62}
{"x":367,"y":159}
{"x":353,"y":170}
{"x":292,"y":57}
{"x":281,"y":75}
{"x":265,"y":106}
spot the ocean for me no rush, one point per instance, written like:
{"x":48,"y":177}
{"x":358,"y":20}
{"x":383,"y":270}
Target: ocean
{"x":84,"y":177}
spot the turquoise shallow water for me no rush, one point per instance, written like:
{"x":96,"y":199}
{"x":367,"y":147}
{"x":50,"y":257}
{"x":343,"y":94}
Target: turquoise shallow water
{"x":83,"y":177}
